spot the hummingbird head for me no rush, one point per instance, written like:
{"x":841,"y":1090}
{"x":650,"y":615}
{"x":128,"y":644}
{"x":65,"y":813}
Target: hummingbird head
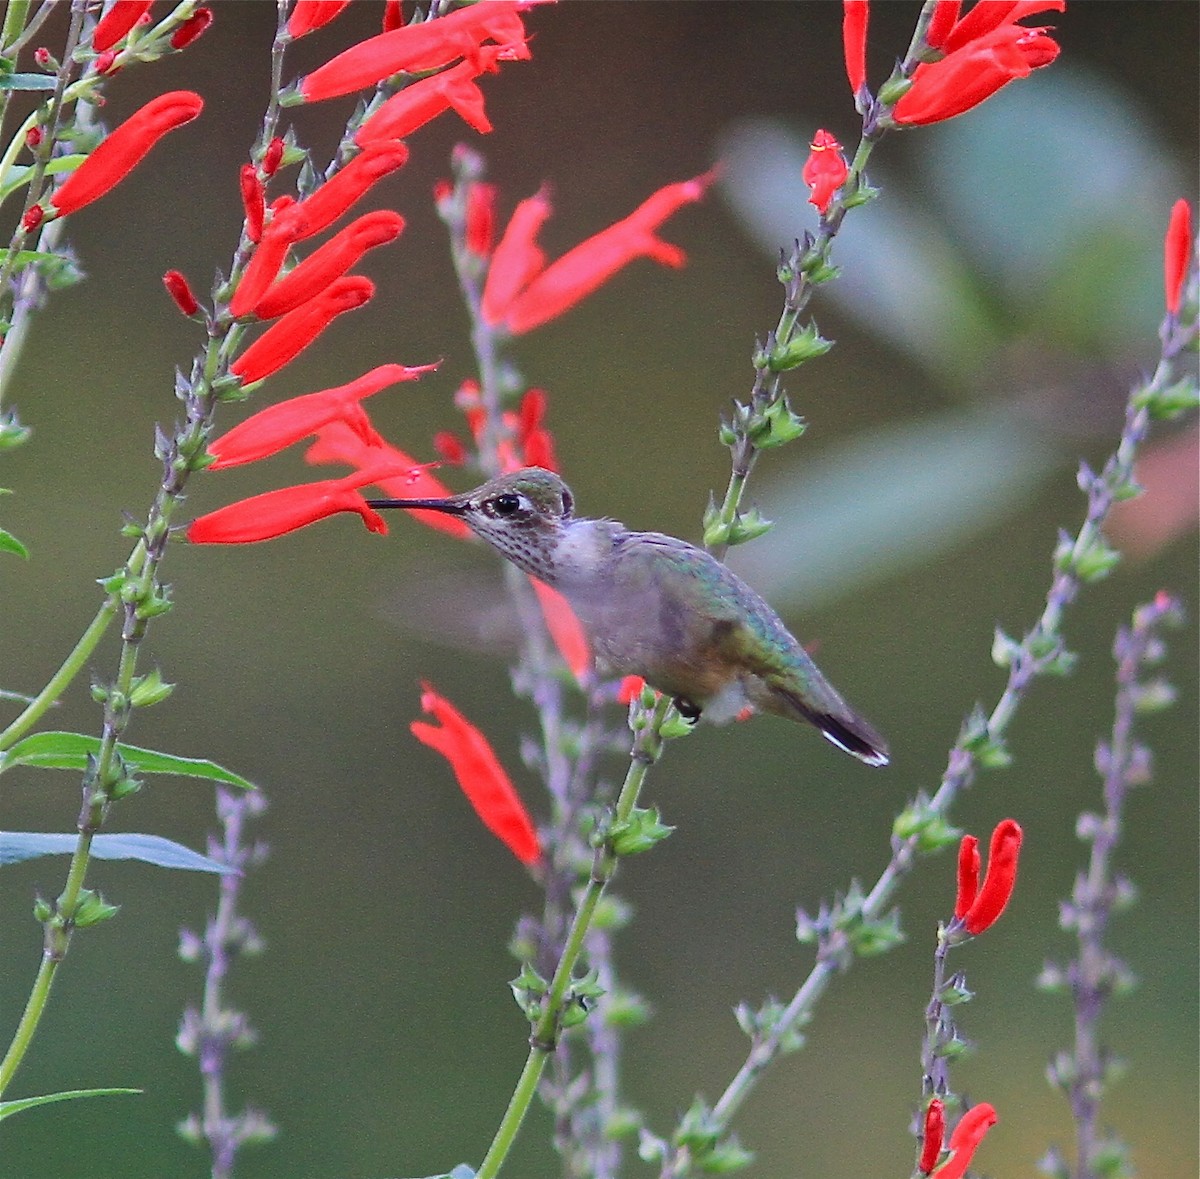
{"x":520,"y":514}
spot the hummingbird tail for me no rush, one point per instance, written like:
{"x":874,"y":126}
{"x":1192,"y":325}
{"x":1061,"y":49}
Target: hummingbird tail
{"x":845,"y":730}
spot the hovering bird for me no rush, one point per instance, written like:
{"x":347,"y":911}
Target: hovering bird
{"x":658,"y":607}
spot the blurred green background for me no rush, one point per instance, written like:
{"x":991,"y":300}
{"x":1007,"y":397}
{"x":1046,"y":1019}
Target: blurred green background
{"x":981,"y":353}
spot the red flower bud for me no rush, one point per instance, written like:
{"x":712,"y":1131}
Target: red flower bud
{"x":253,"y":201}
{"x":274,"y":513}
{"x":481,"y":218}
{"x":1177,"y":254}
{"x":43,"y":58}
{"x":278,"y":426}
{"x":102,"y":63}
{"x":393,"y":15}
{"x":521,"y":295}
{"x":337,"y":194}
{"x":33,"y":138}
{"x":178,"y":289}
{"x":288,"y":337}
{"x":933,"y":1136}
{"x":33,"y":217}
{"x":984,"y":908}
{"x":480,"y":775}
{"x":330,"y":261}
{"x":965,"y":1140}
{"x":272,"y":156}
{"x":117,"y":155}
{"x":630,"y":689}
{"x":312,"y":14}
{"x":416,"y":48}
{"x":191,"y":28}
{"x":825,"y":170}
{"x":854,"y":42}
{"x":116,"y":22}
{"x":450,"y":448}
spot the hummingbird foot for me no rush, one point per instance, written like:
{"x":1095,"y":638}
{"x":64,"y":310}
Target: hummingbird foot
{"x":686,"y":709}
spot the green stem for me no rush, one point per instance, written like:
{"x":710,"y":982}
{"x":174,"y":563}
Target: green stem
{"x":646,"y":747}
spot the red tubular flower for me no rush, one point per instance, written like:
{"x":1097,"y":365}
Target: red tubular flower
{"x":393,"y":15}
{"x":965,"y":1140}
{"x":418,"y":47}
{"x":565,"y":628}
{"x":118,"y":154}
{"x":825,"y":170}
{"x":545,"y":295}
{"x":191,"y":28}
{"x":274,"y":513}
{"x":933,"y":1136}
{"x":329,"y":262}
{"x":450,"y":448}
{"x":993,"y":895}
{"x":481,"y":218}
{"x":945,"y":16}
{"x":968,"y":875}
{"x":272,"y":156}
{"x":630,"y":689}
{"x":421,"y":102}
{"x":985,"y":51}
{"x":312,"y":14}
{"x":253,"y":201}
{"x":278,"y":426}
{"x":337,"y":194}
{"x":479,"y":774}
{"x":338,"y":443}
{"x":287,"y":338}
{"x":854,"y":42}
{"x":1177,"y":253}
{"x":285,"y":229}
{"x":179,"y":290}
{"x":116,"y":22}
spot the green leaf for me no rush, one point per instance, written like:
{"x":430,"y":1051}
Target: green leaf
{"x":16,"y":846}
{"x":10,"y":544}
{"x":70,"y":751}
{"x":17,"y":176}
{"x":28,"y":82}
{"x":8,"y":1108}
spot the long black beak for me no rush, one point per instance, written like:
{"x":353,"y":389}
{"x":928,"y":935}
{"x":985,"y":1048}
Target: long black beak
{"x":449,"y":506}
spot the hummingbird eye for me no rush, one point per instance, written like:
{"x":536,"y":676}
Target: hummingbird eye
{"x":504,"y":505}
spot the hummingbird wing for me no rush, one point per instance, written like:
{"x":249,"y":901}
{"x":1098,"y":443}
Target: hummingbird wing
{"x":731,"y":632}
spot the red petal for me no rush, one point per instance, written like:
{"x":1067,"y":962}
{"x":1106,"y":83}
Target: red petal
{"x":945,"y":16}
{"x":965,"y":1140}
{"x":1177,"y":253}
{"x":116,"y":22}
{"x":565,"y":628}
{"x":1001,"y":876}
{"x":854,"y":42}
{"x":968,"y":875}
{"x":312,"y":14}
{"x":517,"y":259}
{"x":330,"y":261}
{"x":278,"y":426}
{"x":933,"y":1136}
{"x":480,"y":775}
{"x":118,"y":154}
{"x":337,"y":194}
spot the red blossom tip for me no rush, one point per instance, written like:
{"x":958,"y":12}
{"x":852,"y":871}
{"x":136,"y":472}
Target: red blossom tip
{"x":480,"y":775}
{"x":854,"y":42}
{"x":1000,"y":879}
{"x":1177,"y":253}
{"x":288,"y":337}
{"x":944,"y":18}
{"x":336,"y":195}
{"x":253,"y":201}
{"x":965,"y":1140}
{"x":933,"y":1136}
{"x":118,"y":154}
{"x":278,"y":426}
{"x":312,"y":14}
{"x":116,"y":22}
{"x":272,"y":157}
{"x":179,"y":290}
{"x":630,"y":689}
{"x":191,"y":28}
{"x":968,"y":875}
{"x":825,"y":170}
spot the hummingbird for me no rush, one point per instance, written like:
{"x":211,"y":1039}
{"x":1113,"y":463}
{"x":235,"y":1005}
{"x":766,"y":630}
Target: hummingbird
{"x":658,"y":607}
